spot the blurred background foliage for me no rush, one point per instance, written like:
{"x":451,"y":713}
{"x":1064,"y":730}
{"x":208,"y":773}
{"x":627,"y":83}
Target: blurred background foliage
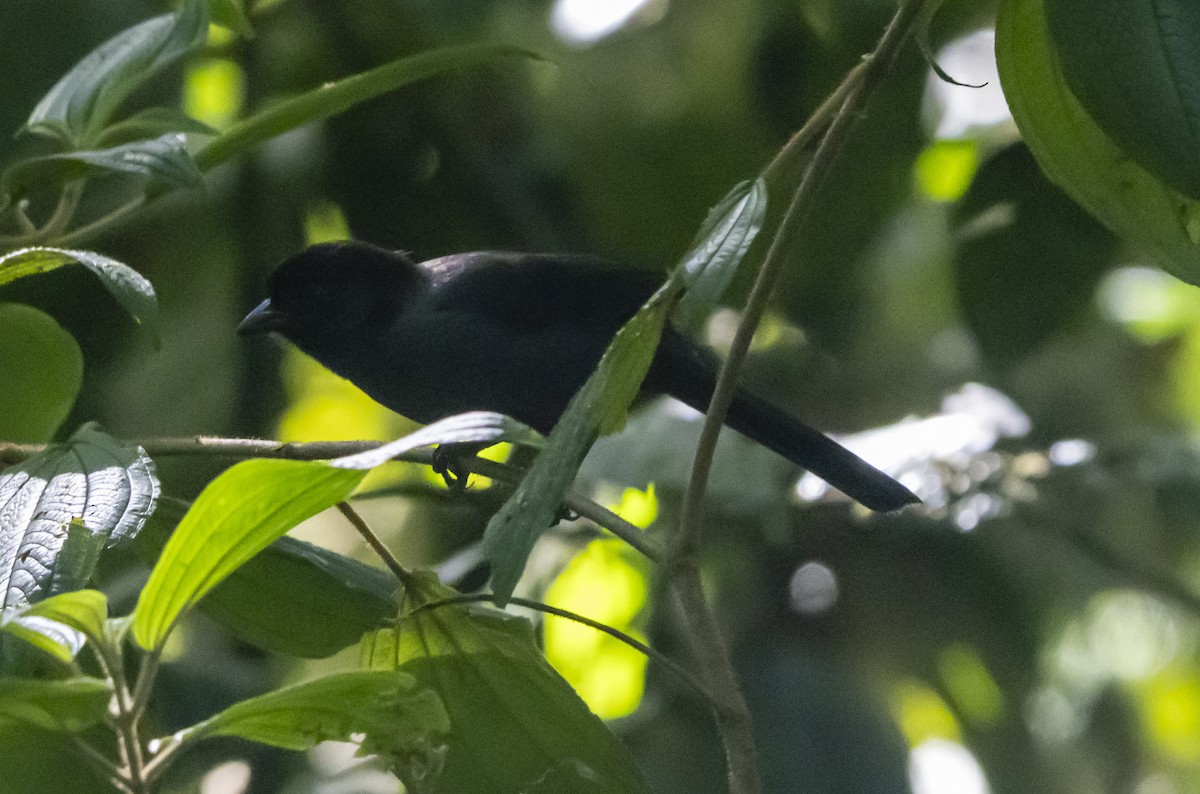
{"x":1034,"y":629}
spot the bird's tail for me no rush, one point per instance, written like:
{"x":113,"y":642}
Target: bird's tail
{"x":688,"y":374}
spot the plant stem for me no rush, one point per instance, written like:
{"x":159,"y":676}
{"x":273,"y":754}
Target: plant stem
{"x":732,"y":714}
{"x":125,"y":722}
{"x":333,"y":98}
{"x":377,"y":545}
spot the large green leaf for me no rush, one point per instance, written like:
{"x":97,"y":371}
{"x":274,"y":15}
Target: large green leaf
{"x":162,"y":161}
{"x":514,"y":722}
{"x":1135,"y":67}
{"x":58,"y":507}
{"x":394,"y":718}
{"x":600,"y":407}
{"x":341,"y":599}
{"x":41,"y":371}
{"x":66,"y":706}
{"x":125,"y":284}
{"x":1077,"y":155}
{"x":80,"y":105}
{"x":238,"y":515}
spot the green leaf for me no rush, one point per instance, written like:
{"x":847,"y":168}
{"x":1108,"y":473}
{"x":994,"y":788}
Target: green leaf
{"x":1135,"y":67}
{"x":152,"y":123}
{"x":333,"y":98}
{"x":600,"y":407}
{"x":62,"y":642}
{"x":397,"y":719}
{"x":232,"y":14}
{"x":91,"y":484}
{"x":41,"y":371}
{"x":80,"y":105}
{"x":83,"y":610}
{"x":513,"y":720}
{"x":239,"y":514}
{"x":163,"y":162}
{"x":721,"y":244}
{"x":472,"y":427}
{"x":1077,"y":155}
{"x":341,"y":599}
{"x":129,"y":287}
{"x":68,"y":706}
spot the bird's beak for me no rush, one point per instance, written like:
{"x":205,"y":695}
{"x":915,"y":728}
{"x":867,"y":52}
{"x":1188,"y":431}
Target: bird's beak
{"x":264,"y":318}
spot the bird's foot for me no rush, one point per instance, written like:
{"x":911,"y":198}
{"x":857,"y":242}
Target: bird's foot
{"x":564,"y":514}
{"x":450,"y":461}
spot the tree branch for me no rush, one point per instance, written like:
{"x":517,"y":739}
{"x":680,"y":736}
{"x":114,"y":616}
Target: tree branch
{"x":733,"y":716}
{"x":241,"y":448}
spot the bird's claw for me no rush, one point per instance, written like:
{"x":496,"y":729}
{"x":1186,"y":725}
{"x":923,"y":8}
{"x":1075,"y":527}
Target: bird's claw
{"x":448,"y":462}
{"x":565,"y":514}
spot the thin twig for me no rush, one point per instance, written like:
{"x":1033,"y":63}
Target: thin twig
{"x":566,"y":614}
{"x":102,"y":223}
{"x":64,"y":211}
{"x":732,"y":713}
{"x":816,"y":126}
{"x":377,"y":545}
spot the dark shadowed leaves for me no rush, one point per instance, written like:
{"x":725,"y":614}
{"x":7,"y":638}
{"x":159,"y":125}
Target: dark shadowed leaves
{"x":80,"y":105}
{"x":163,"y":162}
{"x":131,"y":290}
{"x":1028,"y":258}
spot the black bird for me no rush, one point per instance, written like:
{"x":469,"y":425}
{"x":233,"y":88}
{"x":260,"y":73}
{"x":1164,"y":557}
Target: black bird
{"x":514,"y":333}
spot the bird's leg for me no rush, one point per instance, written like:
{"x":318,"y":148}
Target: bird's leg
{"x":450,"y":461}
{"x":564,"y":514}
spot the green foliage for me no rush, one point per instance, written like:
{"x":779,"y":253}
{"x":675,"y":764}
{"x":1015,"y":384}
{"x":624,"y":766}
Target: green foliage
{"x":1076,"y":153}
{"x":67,"y":706}
{"x":398,"y":720}
{"x":512,"y":720}
{"x":80,"y":105}
{"x":617,"y":147}
{"x":341,"y":599}
{"x":164,"y":162}
{"x":238,"y":515}
{"x":42,"y":369}
{"x":1132,"y":65}
{"x":132,"y":291}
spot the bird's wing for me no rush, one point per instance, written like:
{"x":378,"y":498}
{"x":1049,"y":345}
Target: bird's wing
{"x":528,"y":292}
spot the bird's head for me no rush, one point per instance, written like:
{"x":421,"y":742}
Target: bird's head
{"x":334,"y":291}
